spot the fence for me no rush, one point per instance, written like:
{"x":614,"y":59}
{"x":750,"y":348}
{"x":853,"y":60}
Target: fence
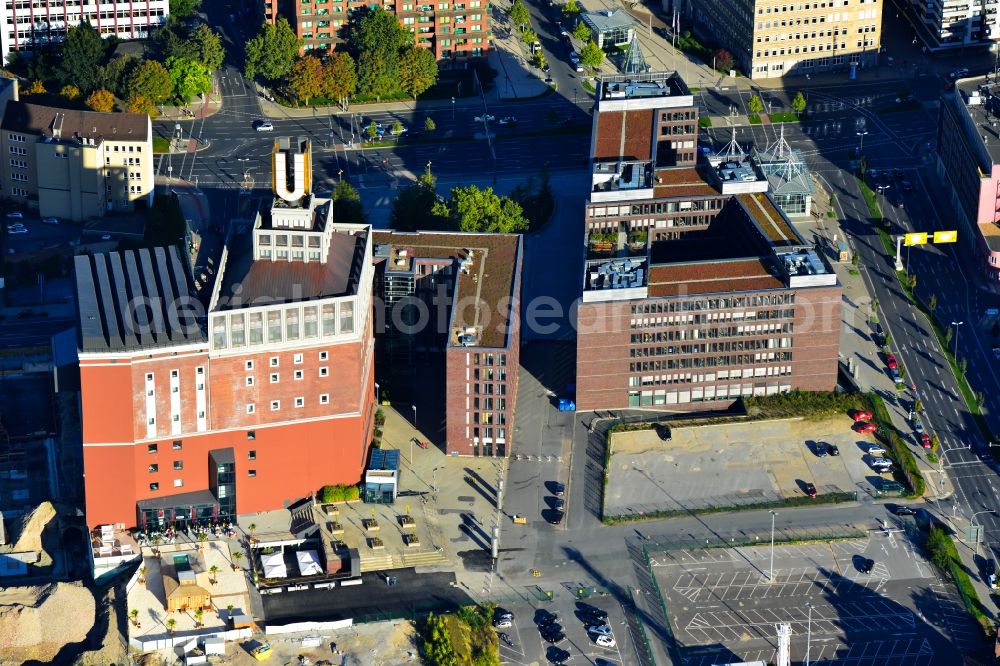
{"x":646,"y":648}
{"x":163,"y":642}
{"x":756,"y":503}
{"x":743,"y":538}
{"x":301,"y":627}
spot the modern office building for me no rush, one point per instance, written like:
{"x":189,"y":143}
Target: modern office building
{"x":76,"y":164}
{"x":697,"y":290}
{"x":456,"y":30}
{"x":968,"y":165}
{"x":612,"y":27}
{"x":952,"y":24}
{"x":450,"y":327}
{"x":772,"y":38}
{"x":199,"y":411}
{"x":28,"y":24}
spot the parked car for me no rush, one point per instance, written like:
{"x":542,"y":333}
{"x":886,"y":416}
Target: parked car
{"x":15,"y":215}
{"x":558,"y":489}
{"x":264,"y":126}
{"x":16,"y":230}
{"x":834,"y":449}
{"x":400,"y":132}
{"x":959,"y":73}
{"x":487,"y":118}
{"x":262,"y":652}
{"x":811,"y":489}
{"x":862,"y":427}
{"x":925,"y":440}
{"x":904,"y":99}
{"x":54,"y":221}
{"x":605,"y":641}
{"x":904,"y":511}
{"x":821,"y":451}
{"x":598,"y":629}
{"x":867,"y":565}
{"x":896,"y":377}
{"x":503,"y":623}
{"x":860,"y":415}
{"x":558,"y":504}
{"x":553,"y":633}
{"x":545,"y":618}
{"x":508,"y":120}
{"x":556,"y":518}
{"x":918,"y":427}
{"x":890,"y":361}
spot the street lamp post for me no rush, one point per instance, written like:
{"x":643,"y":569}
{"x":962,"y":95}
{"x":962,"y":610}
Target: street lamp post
{"x":808,"y":633}
{"x":861,"y":148}
{"x":972,"y":521}
{"x":956,"y":324}
{"x":770,"y":572}
{"x":453,"y":109}
{"x":414,"y":408}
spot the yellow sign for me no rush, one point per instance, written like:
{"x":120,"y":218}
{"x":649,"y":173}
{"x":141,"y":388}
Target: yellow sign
{"x":945,"y":236}
{"x":919,"y":238}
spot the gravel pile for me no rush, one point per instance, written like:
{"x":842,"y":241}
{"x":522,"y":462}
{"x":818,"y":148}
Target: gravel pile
{"x":36,"y":622}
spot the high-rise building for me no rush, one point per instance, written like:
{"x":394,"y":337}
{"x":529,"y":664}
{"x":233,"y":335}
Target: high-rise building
{"x":454,"y":30}
{"x":772,"y":38}
{"x":449,"y":335}
{"x":76,"y":164}
{"x":952,"y":24}
{"x":31,"y":23}
{"x":697,"y":290}
{"x":199,"y":408}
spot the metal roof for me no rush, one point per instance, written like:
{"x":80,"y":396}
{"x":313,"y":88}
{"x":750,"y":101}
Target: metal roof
{"x":606,"y":20}
{"x":387,"y":459}
{"x":136,"y":299}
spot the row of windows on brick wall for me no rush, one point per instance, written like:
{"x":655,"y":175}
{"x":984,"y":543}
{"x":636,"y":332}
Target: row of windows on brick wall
{"x":300,"y":401}
{"x":179,"y":483}
{"x":298,"y":375}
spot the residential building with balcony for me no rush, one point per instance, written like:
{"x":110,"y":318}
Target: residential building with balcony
{"x":28,"y":24}
{"x":455,"y":30}
{"x":772,"y":38}
{"x":968,"y":165}
{"x":202,"y":411}
{"x":697,"y":290}
{"x":449,"y":327}
{"x":75,"y":164}
{"x":944,"y":25}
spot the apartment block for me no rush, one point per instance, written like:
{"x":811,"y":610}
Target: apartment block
{"x":952,"y":24}
{"x":697,"y":290}
{"x":772,"y":38}
{"x":258,"y":396}
{"x":76,"y":164}
{"x":455,"y":30}
{"x":28,"y":24}
{"x":448,"y":327}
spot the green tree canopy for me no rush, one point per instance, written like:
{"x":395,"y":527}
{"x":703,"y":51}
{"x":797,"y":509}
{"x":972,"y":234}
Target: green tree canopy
{"x":799,"y":103}
{"x":378,"y":75}
{"x":150,"y":80}
{"x":591,"y":55}
{"x":181,"y":9}
{"x":529,"y":36}
{"x":519,"y":15}
{"x":82,"y":55}
{"x":581,"y":31}
{"x":418,"y":70}
{"x":206,"y":45}
{"x":116,"y":73}
{"x":272,"y":52}
{"x":340,"y":79}
{"x":190,"y":77}
{"x":413,"y":207}
{"x":375,"y":30}
{"x":306,"y":78}
{"x":473,"y":209}
{"x":571,"y":8}
{"x":347,"y":204}
{"x":755,"y":105}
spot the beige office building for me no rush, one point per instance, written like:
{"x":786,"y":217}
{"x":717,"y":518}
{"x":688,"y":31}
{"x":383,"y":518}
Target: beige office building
{"x":76,"y":164}
{"x":772,"y":38}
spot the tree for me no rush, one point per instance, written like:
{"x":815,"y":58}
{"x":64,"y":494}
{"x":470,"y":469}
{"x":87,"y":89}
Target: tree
{"x":397,"y":129}
{"x":150,"y":80}
{"x":411,"y":210}
{"x":418,"y":70}
{"x":948,"y":334}
{"x":591,"y":55}
{"x":82,"y":55}
{"x":377,"y":76}
{"x":347,"y":206}
{"x":213,"y":572}
{"x":582,"y":32}
{"x":199,"y":614}
{"x":918,"y":406}
{"x":133,"y":615}
{"x":237,"y":558}
{"x":519,"y":14}
{"x":755,"y":105}
{"x":36,"y":88}
{"x":963,"y":365}
{"x":932,"y":302}
{"x":101,"y":100}
{"x":340,"y":79}
{"x":723,"y":60}
{"x":430,"y":125}
{"x":529,"y":36}
{"x":538,"y":60}
{"x":181,"y":9}
{"x":799,"y":102}
{"x":70,"y":92}
{"x":571,"y":8}
{"x":306,"y":78}
{"x":272,"y":52}
{"x":207,"y":47}
{"x":190,"y":78}
{"x":141,"y":104}
{"x":372,"y":130}
{"x":171,"y":623}
{"x":202,"y":539}
{"x":480,"y":210}
{"x":116,"y":74}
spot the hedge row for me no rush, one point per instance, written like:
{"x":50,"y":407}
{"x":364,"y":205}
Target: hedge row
{"x":788,"y":502}
{"x":896,"y":447}
{"x":331,"y":494}
{"x":805,"y":404}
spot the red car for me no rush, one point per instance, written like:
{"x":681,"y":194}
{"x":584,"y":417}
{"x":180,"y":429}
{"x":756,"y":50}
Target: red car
{"x":811,"y":490}
{"x":865,"y":427}
{"x":925,"y":440}
{"x":890,"y":361}
{"x":861,"y":416}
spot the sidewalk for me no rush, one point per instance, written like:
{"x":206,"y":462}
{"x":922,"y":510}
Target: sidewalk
{"x":204,"y":107}
{"x":516,"y":79}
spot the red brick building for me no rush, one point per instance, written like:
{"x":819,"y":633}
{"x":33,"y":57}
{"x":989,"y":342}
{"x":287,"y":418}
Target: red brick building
{"x":450,"y":304}
{"x":697,"y":290}
{"x":456,"y":30}
{"x":198,"y":409}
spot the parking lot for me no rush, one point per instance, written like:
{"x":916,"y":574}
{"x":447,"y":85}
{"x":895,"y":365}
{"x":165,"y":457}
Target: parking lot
{"x":724,"y":608}
{"x":736,"y":464}
{"x":576,"y":647}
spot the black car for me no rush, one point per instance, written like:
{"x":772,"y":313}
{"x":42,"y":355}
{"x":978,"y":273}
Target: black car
{"x":833,"y":449}
{"x":544,"y":618}
{"x":558,"y":503}
{"x":663,"y":432}
{"x":593,"y":614}
{"x":552,"y":634}
{"x":867,"y":565}
{"x":558,"y":489}
{"x":502,"y":614}
{"x":904,"y":511}
{"x":556,"y":518}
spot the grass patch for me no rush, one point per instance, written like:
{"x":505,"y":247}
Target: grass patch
{"x":828,"y":498}
{"x":854,"y":271}
{"x":809,"y":405}
{"x":467,"y":637}
{"x":874,"y":212}
{"x":161,"y":144}
{"x":588,"y":86}
{"x":688,"y":43}
{"x":943,"y":553}
{"x":784,"y":117}
{"x":694,"y":89}
{"x":908,"y":473}
{"x":754,"y":119}
{"x":704,"y":121}
{"x":831,"y":214}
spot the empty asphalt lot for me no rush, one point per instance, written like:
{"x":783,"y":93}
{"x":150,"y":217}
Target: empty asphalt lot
{"x":723,"y":608}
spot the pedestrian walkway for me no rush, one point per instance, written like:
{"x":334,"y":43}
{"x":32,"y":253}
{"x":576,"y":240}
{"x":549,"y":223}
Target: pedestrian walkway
{"x":200,"y":107}
{"x":516,"y":79}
